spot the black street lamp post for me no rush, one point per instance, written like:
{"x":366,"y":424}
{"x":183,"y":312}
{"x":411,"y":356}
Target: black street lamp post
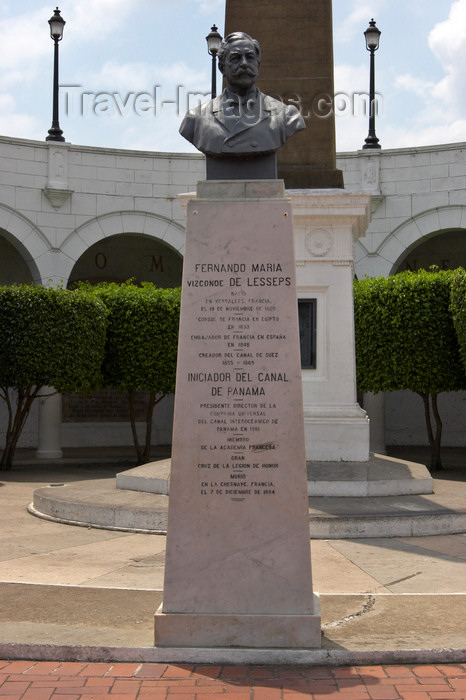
{"x":56,"y":23}
{"x":372,"y":35}
{"x":213,"y":44}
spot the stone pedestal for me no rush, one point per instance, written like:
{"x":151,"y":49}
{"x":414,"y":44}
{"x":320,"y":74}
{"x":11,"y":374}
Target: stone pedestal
{"x":326,"y":223}
{"x":238,"y":569}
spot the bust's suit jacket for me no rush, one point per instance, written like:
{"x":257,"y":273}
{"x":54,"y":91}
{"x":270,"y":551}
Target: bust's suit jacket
{"x":262,"y":127}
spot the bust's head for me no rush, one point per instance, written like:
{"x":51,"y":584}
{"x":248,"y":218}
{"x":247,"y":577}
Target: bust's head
{"x":239,"y":60}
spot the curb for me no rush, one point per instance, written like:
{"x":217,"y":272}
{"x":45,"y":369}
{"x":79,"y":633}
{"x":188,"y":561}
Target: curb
{"x":296,"y":657}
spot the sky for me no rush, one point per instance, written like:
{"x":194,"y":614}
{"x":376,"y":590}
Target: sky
{"x":127,"y":70}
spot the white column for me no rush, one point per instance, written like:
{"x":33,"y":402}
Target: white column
{"x":49,"y":438}
{"x":326,"y":223}
{"x":374,"y":404}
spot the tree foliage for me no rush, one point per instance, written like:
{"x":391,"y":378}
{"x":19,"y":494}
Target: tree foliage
{"x":141,"y":346}
{"x":405,"y":339}
{"x":48,"y":337}
{"x":458,"y":309}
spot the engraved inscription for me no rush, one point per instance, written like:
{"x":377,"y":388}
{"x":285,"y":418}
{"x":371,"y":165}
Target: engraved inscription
{"x":241,"y":370}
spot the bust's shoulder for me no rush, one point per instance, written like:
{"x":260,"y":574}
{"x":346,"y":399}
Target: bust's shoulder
{"x":289,"y":115}
{"x":278,"y":106}
{"x":271,"y":102}
{"x":198,"y":120}
{"x":204,"y":108}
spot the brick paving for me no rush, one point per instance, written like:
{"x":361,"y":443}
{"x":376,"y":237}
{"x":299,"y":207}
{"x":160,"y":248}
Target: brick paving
{"x":29,"y":680}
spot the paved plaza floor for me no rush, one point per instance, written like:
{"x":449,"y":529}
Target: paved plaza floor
{"x":64,"y":589}
{"x":26,"y":680}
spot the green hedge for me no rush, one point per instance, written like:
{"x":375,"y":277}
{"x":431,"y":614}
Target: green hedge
{"x":50,"y":337}
{"x":458,"y":309}
{"x":405,"y":337}
{"x":141,"y":347}
{"x":142,"y":336}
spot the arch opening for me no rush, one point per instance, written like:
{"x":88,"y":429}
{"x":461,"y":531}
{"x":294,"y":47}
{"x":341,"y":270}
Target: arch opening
{"x":14,"y":266}
{"x":446,"y":249}
{"x":126,"y":256}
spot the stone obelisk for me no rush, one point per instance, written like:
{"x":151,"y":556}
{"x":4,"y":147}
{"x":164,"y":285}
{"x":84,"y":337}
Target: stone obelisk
{"x":296,"y":66}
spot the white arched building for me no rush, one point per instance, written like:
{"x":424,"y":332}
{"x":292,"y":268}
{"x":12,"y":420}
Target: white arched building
{"x":70,"y":212}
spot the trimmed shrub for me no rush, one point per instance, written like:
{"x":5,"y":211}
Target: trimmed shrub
{"x":141,"y":347}
{"x":458,"y":309}
{"x":405,"y":339}
{"x":48,"y":337}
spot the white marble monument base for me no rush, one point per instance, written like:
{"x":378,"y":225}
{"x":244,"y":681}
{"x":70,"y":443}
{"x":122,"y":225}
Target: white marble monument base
{"x":326,"y":224}
{"x":336,"y":433}
{"x":244,"y":631}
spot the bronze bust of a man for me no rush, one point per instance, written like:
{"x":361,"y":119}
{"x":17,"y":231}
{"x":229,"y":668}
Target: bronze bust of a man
{"x":242,"y":122}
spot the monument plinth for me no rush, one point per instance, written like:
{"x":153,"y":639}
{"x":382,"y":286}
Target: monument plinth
{"x":238,"y":568}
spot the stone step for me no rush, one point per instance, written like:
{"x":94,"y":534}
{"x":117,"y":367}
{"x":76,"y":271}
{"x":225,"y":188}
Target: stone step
{"x":98,"y":503}
{"x":380,"y":476}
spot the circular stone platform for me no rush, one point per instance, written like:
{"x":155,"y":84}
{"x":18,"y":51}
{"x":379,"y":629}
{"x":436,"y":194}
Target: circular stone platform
{"x":379,"y":476}
{"x":99,"y":503}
